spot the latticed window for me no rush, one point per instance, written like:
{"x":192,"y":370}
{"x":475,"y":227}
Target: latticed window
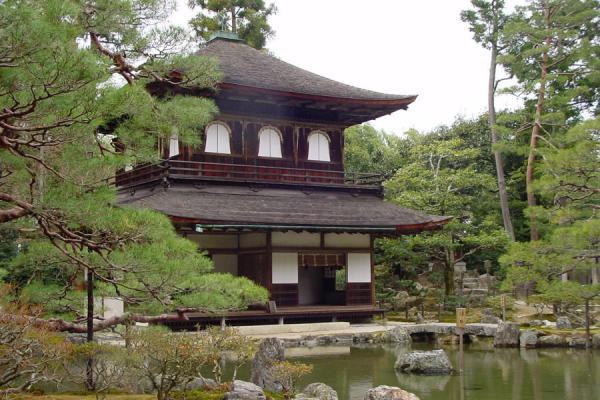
{"x":217,"y":138}
{"x":318,"y":146}
{"x":269,"y":143}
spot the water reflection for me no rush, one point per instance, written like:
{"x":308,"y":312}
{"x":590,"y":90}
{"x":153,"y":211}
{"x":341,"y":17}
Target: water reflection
{"x":490,"y":374}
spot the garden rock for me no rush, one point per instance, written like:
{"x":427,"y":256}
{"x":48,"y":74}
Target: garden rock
{"x":528,"y":339}
{"x":577,"y":341}
{"x":242,"y":390}
{"x":551,"y":341}
{"x":433,"y":362}
{"x":507,"y":335}
{"x":269,"y":351}
{"x":536,"y":323}
{"x":318,"y":391}
{"x":400,"y":335}
{"x":201,"y":383}
{"x":563,"y":323}
{"x":389,"y":393}
{"x":488,"y":317}
{"x":596,"y":341}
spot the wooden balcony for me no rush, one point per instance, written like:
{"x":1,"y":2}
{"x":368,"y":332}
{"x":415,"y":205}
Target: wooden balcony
{"x":243,"y":173}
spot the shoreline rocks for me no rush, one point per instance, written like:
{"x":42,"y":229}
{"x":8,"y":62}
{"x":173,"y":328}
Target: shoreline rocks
{"x":318,"y":391}
{"x":435,"y":362}
{"x":507,"y":335}
{"x":384,"y":392}
{"x":269,"y":351}
{"x":242,"y":390}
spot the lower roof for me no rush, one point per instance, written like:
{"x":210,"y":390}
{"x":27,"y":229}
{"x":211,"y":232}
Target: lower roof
{"x":220,"y":207}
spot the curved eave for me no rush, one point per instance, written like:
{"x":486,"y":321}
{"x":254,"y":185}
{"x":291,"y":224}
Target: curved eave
{"x":377,"y":230}
{"x":400,"y":102}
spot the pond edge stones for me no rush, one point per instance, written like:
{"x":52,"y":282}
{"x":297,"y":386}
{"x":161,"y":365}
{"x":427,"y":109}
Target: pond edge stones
{"x":318,"y":391}
{"x":434,"y":362}
{"x":507,"y":335}
{"x":384,"y":392}
{"x":269,"y":351}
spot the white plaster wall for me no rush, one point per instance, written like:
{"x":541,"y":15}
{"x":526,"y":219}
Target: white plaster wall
{"x":295,"y":239}
{"x":310,"y":285}
{"x":113,"y":307}
{"x":207,"y":241}
{"x":347,"y":240}
{"x":255,"y":239}
{"x":225,"y":263}
{"x":285,"y":268}
{"x":359,"y":267}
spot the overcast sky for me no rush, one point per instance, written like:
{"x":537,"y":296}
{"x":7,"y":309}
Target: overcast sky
{"x":392,"y":46}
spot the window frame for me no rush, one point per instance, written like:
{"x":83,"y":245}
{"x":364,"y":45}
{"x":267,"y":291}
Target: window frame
{"x":229,"y":134}
{"x":279,"y":134}
{"x":323,"y":133}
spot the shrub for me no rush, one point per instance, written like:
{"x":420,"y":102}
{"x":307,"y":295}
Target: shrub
{"x":287,"y":373}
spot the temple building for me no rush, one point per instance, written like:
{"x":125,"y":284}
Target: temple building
{"x":266,"y":194}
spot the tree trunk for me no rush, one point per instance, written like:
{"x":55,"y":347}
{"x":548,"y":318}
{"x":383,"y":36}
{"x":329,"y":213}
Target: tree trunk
{"x":90,"y":328}
{"x":233,"y":20}
{"x":508,"y":226}
{"x":535,"y":133}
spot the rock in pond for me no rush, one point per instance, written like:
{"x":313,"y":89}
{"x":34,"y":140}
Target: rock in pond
{"x":596,"y":341}
{"x":242,"y":390}
{"x":269,"y":351}
{"x":507,"y":335}
{"x":563,"y":323}
{"x":551,"y":341}
{"x":318,"y":391}
{"x":528,"y":339}
{"x":389,"y":393}
{"x":577,"y":341}
{"x":435,"y":362}
{"x":400,"y":335}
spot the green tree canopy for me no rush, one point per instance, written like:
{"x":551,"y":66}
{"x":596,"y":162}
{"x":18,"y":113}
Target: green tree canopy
{"x":67,"y":71}
{"x":246,"y":18}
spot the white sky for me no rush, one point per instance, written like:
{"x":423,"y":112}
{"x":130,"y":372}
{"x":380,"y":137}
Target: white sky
{"x":393,"y":46}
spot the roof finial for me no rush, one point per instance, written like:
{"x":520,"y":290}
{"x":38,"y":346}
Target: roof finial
{"x":228,"y":35}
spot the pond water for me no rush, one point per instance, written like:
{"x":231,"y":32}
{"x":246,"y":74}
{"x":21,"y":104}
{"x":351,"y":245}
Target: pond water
{"x":490,"y":374}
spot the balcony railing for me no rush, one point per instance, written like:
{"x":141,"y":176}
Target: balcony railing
{"x":213,"y":171}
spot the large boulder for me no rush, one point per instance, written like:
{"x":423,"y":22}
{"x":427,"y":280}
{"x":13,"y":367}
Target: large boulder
{"x":242,"y":390}
{"x":269,"y":351}
{"x":528,"y":339}
{"x":551,"y":341}
{"x":389,"y":393}
{"x":202,"y":383}
{"x":507,"y":335}
{"x":318,"y":391}
{"x":563,"y":323}
{"x":435,"y":362}
{"x":400,"y":335}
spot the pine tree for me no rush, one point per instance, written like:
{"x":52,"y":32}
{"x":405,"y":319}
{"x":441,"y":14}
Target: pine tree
{"x":553,"y":53}
{"x":486,"y":22}
{"x":246,"y":18}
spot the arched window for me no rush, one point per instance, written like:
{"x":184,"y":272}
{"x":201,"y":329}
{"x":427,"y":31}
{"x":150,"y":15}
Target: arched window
{"x":269,"y":142}
{"x":173,"y":145}
{"x":318,"y":146}
{"x":217,"y":138}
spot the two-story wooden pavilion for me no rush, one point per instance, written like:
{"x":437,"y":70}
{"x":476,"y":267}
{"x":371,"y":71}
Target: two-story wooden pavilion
{"x":267,"y":195}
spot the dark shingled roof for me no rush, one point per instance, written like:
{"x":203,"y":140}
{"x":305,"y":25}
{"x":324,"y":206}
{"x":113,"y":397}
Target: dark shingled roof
{"x":245,"y":66}
{"x":238,"y":205}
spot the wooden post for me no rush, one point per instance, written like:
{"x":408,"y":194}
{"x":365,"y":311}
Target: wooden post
{"x":588,"y":337}
{"x":503,"y":305}
{"x":90,"y":327}
{"x":461,"y":321}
